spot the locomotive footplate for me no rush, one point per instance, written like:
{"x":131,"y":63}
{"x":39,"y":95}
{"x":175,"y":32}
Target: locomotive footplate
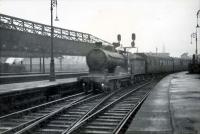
{"x":104,"y":83}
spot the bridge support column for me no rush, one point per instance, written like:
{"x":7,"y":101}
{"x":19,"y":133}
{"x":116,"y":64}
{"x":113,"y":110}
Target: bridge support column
{"x":60,"y":59}
{"x":30,"y":64}
{"x":43,"y":64}
{"x":40,"y":65}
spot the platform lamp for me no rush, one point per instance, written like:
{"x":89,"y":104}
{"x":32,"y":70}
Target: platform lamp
{"x":52,"y":65}
{"x":193,"y":35}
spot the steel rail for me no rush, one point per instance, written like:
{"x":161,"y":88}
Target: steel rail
{"x":83,"y":124}
{"x":95,"y":108}
{"x":109,"y":98}
{"x":98,"y":105}
{"x":133,"y":111}
{"x":33,"y":111}
{"x":56,"y":113}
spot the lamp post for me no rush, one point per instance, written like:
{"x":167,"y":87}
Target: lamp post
{"x":196,"y":31}
{"x":52,"y":65}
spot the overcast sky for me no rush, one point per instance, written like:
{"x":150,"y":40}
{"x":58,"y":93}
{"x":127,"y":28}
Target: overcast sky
{"x":157,"y":23}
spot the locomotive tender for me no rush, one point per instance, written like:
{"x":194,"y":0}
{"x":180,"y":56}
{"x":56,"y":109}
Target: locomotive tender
{"x":109,"y":70}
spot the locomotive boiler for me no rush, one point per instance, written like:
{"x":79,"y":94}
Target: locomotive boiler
{"x":99,"y":60}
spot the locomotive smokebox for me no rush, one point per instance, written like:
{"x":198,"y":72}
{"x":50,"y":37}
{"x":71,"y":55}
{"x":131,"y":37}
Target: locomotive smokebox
{"x":100,"y":60}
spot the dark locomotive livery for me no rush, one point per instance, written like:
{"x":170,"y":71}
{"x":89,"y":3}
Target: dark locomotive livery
{"x":109,"y":70}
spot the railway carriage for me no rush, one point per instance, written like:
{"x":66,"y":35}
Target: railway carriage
{"x":176,"y":64}
{"x":157,"y":64}
{"x":184,"y":64}
{"x":180,"y":64}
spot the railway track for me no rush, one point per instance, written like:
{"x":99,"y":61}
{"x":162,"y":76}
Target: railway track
{"x":65,"y":119}
{"x":112,"y":118}
{"x":16,"y":121}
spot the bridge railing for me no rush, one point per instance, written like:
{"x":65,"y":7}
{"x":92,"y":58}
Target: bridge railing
{"x":18,"y":24}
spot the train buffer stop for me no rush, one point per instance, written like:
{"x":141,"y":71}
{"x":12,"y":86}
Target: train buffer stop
{"x":173,"y":107}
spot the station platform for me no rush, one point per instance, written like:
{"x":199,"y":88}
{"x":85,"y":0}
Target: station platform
{"x":19,"y":87}
{"x":29,"y":77}
{"x":173,"y":107}
{"x":18,"y":96}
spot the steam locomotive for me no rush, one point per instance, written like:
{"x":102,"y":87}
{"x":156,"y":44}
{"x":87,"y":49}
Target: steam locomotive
{"x":109,"y":70}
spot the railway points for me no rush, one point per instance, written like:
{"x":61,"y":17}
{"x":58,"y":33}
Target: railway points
{"x":114,"y":115}
{"x":18,"y":120}
{"x":172,"y":107}
{"x":64,"y":117}
{"x":67,"y":117}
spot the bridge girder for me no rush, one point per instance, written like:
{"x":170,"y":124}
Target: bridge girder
{"x":24,"y":38}
{"x":20,"y":44}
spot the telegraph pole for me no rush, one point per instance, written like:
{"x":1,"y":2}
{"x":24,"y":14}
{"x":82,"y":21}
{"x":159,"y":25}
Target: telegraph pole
{"x":197,"y":31}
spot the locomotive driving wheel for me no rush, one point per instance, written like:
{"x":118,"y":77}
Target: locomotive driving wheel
{"x":114,"y":85}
